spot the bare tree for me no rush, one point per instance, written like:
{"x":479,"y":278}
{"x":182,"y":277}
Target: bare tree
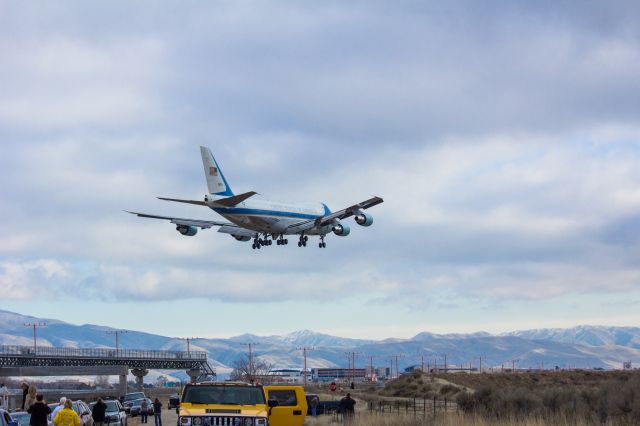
{"x":251,"y":370}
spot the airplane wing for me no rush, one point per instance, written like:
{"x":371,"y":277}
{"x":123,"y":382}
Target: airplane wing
{"x":227,"y":202}
{"x":204,"y":224}
{"x":348,"y":212}
{"x":340,"y":214}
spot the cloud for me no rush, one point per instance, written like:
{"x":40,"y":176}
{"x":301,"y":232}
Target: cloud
{"x":503,"y":140}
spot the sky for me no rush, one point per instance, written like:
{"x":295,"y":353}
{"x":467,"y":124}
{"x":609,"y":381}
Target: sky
{"x":504,"y":138}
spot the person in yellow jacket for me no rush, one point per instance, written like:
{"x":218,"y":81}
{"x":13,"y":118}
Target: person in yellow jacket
{"x":66,"y":416}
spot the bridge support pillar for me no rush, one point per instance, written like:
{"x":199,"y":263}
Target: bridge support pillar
{"x":193,"y":374}
{"x":139,"y":373}
{"x":123,"y":384}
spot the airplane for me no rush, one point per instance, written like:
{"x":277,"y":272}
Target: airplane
{"x":264,"y":221}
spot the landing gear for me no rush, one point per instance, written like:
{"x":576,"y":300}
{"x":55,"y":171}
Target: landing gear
{"x":322,"y":244}
{"x":303,"y":240}
{"x":281,"y":241}
{"x":259,"y":242}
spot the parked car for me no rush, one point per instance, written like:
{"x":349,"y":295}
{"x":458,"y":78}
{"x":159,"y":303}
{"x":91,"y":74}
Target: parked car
{"x":82,"y":410}
{"x":136,"y":407}
{"x":324,"y":407}
{"x":114,"y":414}
{"x":6,"y":419}
{"x":174,"y":401}
{"x":22,"y":417}
{"x":132,"y":398}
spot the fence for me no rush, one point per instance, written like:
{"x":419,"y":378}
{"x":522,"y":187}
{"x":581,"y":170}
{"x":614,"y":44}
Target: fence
{"x":425,"y":408}
{"x":415,"y":406}
{"x":25,"y":351}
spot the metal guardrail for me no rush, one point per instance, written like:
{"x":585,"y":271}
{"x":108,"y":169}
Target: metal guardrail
{"x":49,"y":351}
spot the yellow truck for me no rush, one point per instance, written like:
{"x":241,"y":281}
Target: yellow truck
{"x":241,"y":404}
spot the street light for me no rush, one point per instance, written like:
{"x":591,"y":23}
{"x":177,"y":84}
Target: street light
{"x":116,"y":332}
{"x":188,"y":339}
{"x":35,"y":325}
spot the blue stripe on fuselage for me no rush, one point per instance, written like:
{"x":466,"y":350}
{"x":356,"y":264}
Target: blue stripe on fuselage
{"x":258,"y":212}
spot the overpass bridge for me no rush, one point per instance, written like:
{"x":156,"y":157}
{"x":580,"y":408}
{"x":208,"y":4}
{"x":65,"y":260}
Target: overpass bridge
{"x":50,"y":361}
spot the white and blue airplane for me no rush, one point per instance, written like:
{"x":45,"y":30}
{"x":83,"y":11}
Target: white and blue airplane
{"x":264,"y":221}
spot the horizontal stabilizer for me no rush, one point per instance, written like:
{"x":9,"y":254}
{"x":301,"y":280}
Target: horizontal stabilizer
{"x":204,"y":224}
{"x":234,"y":199}
{"x":177,"y":200}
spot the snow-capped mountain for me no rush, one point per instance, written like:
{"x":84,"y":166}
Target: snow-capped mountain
{"x":584,"y":346}
{"x":590,"y":335}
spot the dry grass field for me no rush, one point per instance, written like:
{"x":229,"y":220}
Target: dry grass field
{"x":535,"y":398}
{"x":565,"y":398}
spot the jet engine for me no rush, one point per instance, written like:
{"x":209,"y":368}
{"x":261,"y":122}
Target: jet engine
{"x":241,"y":237}
{"x":341,"y":230}
{"x":364,"y":219}
{"x":188,"y":231}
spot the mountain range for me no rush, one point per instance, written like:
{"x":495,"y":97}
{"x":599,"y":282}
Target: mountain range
{"x":577,"y":347}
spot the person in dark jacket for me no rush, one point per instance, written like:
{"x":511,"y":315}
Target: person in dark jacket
{"x":98,"y":412}
{"x":157,"y":411}
{"x":39,"y":412}
{"x":347,"y":406}
{"x":25,"y":391}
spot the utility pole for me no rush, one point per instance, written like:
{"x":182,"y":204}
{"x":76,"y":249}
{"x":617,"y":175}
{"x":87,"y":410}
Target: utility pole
{"x":250,"y":345}
{"x":513,"y":365}
{"x":116,"y":332}
{"x":304,"y":350}
{"x":396,"y":356}
{"x":445,"y":363}
{"x":371,"y":357}
{"x":422,"y":363}
{"x":391,"y":369}
{"x":352,"y":365}
{"x":480,"y":358}
{"x":188,"y":339}
{"x":35,"y":325}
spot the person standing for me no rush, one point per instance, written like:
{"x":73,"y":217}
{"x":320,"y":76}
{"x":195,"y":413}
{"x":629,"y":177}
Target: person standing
{"x":144,"y":411}
{"x":59,"y":407}
{"x":31,"y":395}
{"x":98,"y":412}
{"x":67,"y":416}
{"x":157,"y":412}
{"x":347,"y":407}
{"x":25,"y":391}
{"x":314,"y":405}
{"x":4,"y":397}
{"x":39,"y":412}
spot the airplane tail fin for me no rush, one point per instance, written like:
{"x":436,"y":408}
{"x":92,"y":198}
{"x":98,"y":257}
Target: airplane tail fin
{"x":216,"y":182}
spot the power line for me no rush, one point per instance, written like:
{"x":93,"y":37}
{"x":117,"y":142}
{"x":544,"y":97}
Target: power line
{"x":351,"y":356}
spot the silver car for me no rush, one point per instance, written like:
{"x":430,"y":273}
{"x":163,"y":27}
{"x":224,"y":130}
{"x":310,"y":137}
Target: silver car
{"x":114,"y":413}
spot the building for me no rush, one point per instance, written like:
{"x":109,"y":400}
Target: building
{"x":342,"y":374}
{"x":289,"y":376}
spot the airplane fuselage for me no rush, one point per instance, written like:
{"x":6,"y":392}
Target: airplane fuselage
{"x":273,"y":217}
